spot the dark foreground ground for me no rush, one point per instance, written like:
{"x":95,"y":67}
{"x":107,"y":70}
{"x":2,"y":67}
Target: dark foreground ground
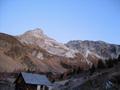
{"x":104,"y":79}
{"x":100,"y":79}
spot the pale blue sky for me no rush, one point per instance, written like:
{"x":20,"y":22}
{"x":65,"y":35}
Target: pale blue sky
{"x":63,"y":20}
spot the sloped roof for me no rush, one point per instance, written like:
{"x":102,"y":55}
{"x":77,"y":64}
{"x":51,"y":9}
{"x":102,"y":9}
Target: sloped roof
{"x":35,"y":79}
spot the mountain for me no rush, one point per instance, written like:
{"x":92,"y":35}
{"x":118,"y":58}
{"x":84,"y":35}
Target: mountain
{"x":100,"y":49}
{"x":17,"y":57}
{"x":36,"y":52}
{"x":38,"y":38}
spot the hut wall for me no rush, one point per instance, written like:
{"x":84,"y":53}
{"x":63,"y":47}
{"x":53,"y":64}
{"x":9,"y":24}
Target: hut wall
{"x":6,"y":86}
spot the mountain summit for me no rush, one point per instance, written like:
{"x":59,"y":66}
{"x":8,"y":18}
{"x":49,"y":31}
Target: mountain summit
{"x":36,"y":32}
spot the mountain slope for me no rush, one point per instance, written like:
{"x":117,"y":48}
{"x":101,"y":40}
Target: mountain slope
{"x":17,"y":57}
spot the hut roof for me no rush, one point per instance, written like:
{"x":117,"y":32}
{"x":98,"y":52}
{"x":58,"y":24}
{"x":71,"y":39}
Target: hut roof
{"x":35,"y":79}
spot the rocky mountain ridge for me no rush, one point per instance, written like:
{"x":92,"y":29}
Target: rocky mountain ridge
{"x":34,"y":51}
{"x":101,"y":49}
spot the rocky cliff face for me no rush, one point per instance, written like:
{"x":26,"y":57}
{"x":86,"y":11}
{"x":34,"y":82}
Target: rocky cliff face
{"x":35,"y":51}
{"x":38,"y":38}
{"x":100,"y":49}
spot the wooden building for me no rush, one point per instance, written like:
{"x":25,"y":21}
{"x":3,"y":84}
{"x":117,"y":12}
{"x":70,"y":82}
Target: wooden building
{"x":30,"y":81}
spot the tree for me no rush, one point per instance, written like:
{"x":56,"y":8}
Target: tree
{"x":78,"y":70}
{"x":100,"y":65}
{"x":119,"y":58}
{"x":92,"y":69}
{"x":109,"y":63}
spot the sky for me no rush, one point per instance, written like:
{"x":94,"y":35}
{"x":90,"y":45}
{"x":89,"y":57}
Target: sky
{"x":63,"y":20}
